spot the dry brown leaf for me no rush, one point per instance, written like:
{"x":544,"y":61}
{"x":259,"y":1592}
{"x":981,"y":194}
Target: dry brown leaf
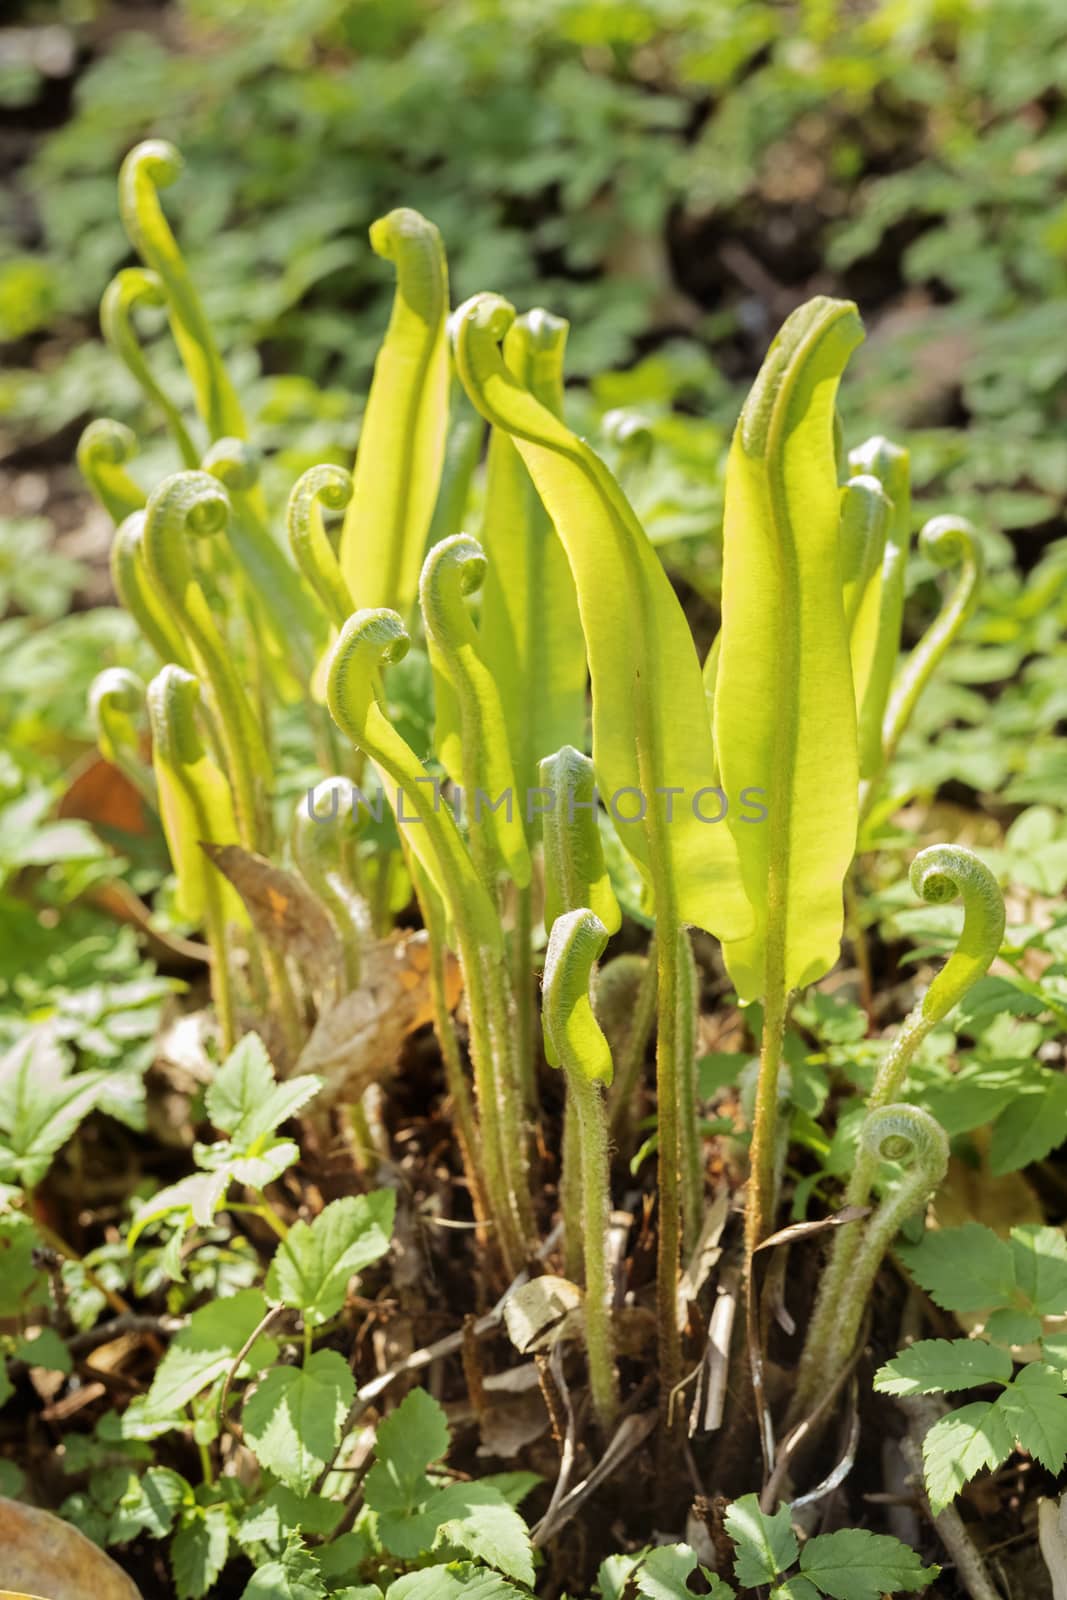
{"x":100,"y":794}
{"x":284,"y":911}
{"x":44,"y":1556}
{"x":358,"y":1041}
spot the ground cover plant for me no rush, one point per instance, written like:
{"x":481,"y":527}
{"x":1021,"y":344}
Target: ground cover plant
{"x":510,"y":1085}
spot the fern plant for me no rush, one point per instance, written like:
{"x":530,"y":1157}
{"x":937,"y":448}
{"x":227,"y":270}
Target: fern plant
{"x":726,"y":796}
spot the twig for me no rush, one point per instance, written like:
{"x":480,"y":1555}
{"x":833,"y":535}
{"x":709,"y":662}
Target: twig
{"x":257,"y":1333}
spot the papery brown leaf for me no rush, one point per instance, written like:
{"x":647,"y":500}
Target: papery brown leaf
{"x":358,"y":1041}
{"x":44,"y":1556}
{"x":100,"y":794}
{"x":284,"y":911}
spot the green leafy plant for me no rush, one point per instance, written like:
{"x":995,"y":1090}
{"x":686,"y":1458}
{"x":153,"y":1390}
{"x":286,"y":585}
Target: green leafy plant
{"x":1015,"y":1283}
{"x":360,"y":733}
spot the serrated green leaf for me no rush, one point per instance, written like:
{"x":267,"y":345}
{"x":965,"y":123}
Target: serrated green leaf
{"x":316,"y":1262}
{"x":199,"y":1550}
{"x":456,"y":1582}
{"x":245,"y":1101}
{"x":192,"y":1202}
{"x":795,"y":1589}
{"x":613,"y":1575}
{"x":21,"y":1283}
{"x":293,"y":1420}
{"x":1040,"y":1257}
{"x":1013,"y":1327}
{"x":294,"y":1576}
{"x":1035,"y":1411}
{"x":936,"y":1366}
{"x":149,"y":1505}
{"x":766,"y":1545}
{"x":411,"y":1438}
{"x":963,"y":1269}
{"x":45,"y":1349}
{"x":41,"y":1105}
{"x":282,"y":1513}
{"x":961,"y":1444}
{"x":1033,"y":1125}
{"x":855,"y":1565}
{"x":665,"y":1572}
{"x":476,"y":1519}
{"x":206,"y":1348}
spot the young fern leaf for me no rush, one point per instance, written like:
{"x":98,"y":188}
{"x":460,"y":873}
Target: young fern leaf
{"x":194,"y":503}
{"x":865,"y":513}
{"x":651,"y":739}
{"x":116,"y":696}
{"x":948,"y":542}
{"x":195,"y":806}
{"x":470,"y":732}
{"x":530,"y":628}
{"x":151,"y":166}
{"x":890,"y":465}
{"x":136,"y":589}
{"x":129,"y":288}
{"x":368,"y":641}
{"x":104,"y":448}
{"x":277,"y":595}
{"x":331,"y":487}
{"x":575,"y":871}
{"x":650,"y":736}
{"x":576,"y":878}
{"x":785,"y":714}
{"x":402,"y":440}
{"x":463,"y":451}
{"x":574,"y":1040}
{"x":940,"y":874}
{"x":902,"y":1133}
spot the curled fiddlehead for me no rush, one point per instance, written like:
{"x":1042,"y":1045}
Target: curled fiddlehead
{"x":574,"y":1040}
{"x":104,"y":448}
{"x":129,"y":288}
{"x":575,"y":878}
{"x":402,"y":439}
{"x":195,"y":806}
{"x":149,"y":167}
{"x":575,"y":873}
{"x":890,"y":465}
{"x":330,"y":487}
{"x":116,"y":697}
{"x":137,"y":591}
{"x":948,"y":542}
{"x":939,"y":874}
{"x":905,"y":1134}
{"x":865,"y":509}
{"x":471,"y":735}
{"x":194,"y":504}
{"x":325,"y":826}
{"x":573,"y":1037}
{"x":277,"y":601}
{"x":369,"y":641}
